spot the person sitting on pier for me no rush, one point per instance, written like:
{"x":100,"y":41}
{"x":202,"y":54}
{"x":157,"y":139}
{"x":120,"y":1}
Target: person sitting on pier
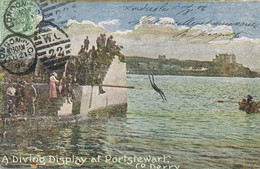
{"x":93,"y":53}
{"x":118,"y":53}
{"x":81,"y":51}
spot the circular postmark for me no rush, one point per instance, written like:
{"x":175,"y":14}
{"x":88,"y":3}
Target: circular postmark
{"x":52,"y":44}
{"x":22,"y":16}
{"x":18,"y":54}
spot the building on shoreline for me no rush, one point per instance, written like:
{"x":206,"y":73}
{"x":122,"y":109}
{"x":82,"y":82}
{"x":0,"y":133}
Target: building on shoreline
{"x":162,"y":57}
{"x":222,"y":65}
{"x":225,"y":57}
{"x":194,"y":68}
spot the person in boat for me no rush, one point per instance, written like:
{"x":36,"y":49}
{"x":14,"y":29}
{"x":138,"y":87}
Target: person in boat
{"x":53,"y":82}
{"x":156,"y":88}
{"x":249,"y":99}
{"x":248,"y":105}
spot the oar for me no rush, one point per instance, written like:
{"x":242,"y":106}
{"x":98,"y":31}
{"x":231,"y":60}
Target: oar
{"x":222,"y":101}
{"x":119,"y":86}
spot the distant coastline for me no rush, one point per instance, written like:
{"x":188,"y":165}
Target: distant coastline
{"x":223,"y":65}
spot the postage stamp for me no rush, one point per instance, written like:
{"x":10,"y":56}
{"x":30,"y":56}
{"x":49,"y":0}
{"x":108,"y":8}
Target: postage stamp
{"x":129,"y":84}
{"x":21,"y":16}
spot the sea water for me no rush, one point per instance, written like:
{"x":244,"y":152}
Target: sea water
{"x":190,"y":130}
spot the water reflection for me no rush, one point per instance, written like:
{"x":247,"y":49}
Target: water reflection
{"x":47,"y":138}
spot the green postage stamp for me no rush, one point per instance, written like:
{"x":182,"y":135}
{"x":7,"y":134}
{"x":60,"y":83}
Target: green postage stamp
{"x":129,"y":84}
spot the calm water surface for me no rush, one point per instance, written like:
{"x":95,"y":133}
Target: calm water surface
{"x":191,"y":127}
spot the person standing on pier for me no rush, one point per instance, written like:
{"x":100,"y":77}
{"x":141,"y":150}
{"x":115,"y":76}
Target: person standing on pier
{"x":110,"y":43}
{"x":103,"y":41}
{"x":86,"y":44}
{"x":99,"y":42}
{"x":29,"y":99}
{"x":53,"y":82}
{"x":11,"y":108}
{"x":11,"y":92}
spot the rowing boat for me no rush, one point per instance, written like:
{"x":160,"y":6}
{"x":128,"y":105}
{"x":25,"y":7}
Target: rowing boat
{"x":249,"y":108}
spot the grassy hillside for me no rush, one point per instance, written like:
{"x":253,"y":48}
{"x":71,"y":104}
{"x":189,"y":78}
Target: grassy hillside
{"x":143,"y":65}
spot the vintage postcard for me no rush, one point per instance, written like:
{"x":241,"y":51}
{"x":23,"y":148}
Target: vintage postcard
{"x":130,"y":84}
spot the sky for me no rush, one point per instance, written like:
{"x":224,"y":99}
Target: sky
{"x":125,"y":16}
{"x":127,"y":21}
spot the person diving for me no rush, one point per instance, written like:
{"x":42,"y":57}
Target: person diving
{"x":155,"y":87}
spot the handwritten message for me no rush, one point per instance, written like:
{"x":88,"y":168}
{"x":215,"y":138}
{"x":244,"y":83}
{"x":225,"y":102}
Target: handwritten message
{"x":179,"y":9}
{"x":182,"y":10}
{"x":184,"y":15}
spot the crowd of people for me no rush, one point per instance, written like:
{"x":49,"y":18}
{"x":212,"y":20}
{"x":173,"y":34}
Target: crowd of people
{"x":63,"y":87}
{"x":88,"y":68}
{"x":20,"y":98}
{"x":104,"y":46}
{"x":94,"y":62}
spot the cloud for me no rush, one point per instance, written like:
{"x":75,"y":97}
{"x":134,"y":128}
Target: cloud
{"x":209,"y":29}
{"x":246,"y":39}
{"x":146,"y":20}
{"x":87,"y":22}
{"x":242,"y":39}
{"x":109,"y":22}
{"x":110,"y":25}
{"x":182,"y":27}
{"x":166,"y":21}
{"x":163,"y":22}
{"x":123,"y":32}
